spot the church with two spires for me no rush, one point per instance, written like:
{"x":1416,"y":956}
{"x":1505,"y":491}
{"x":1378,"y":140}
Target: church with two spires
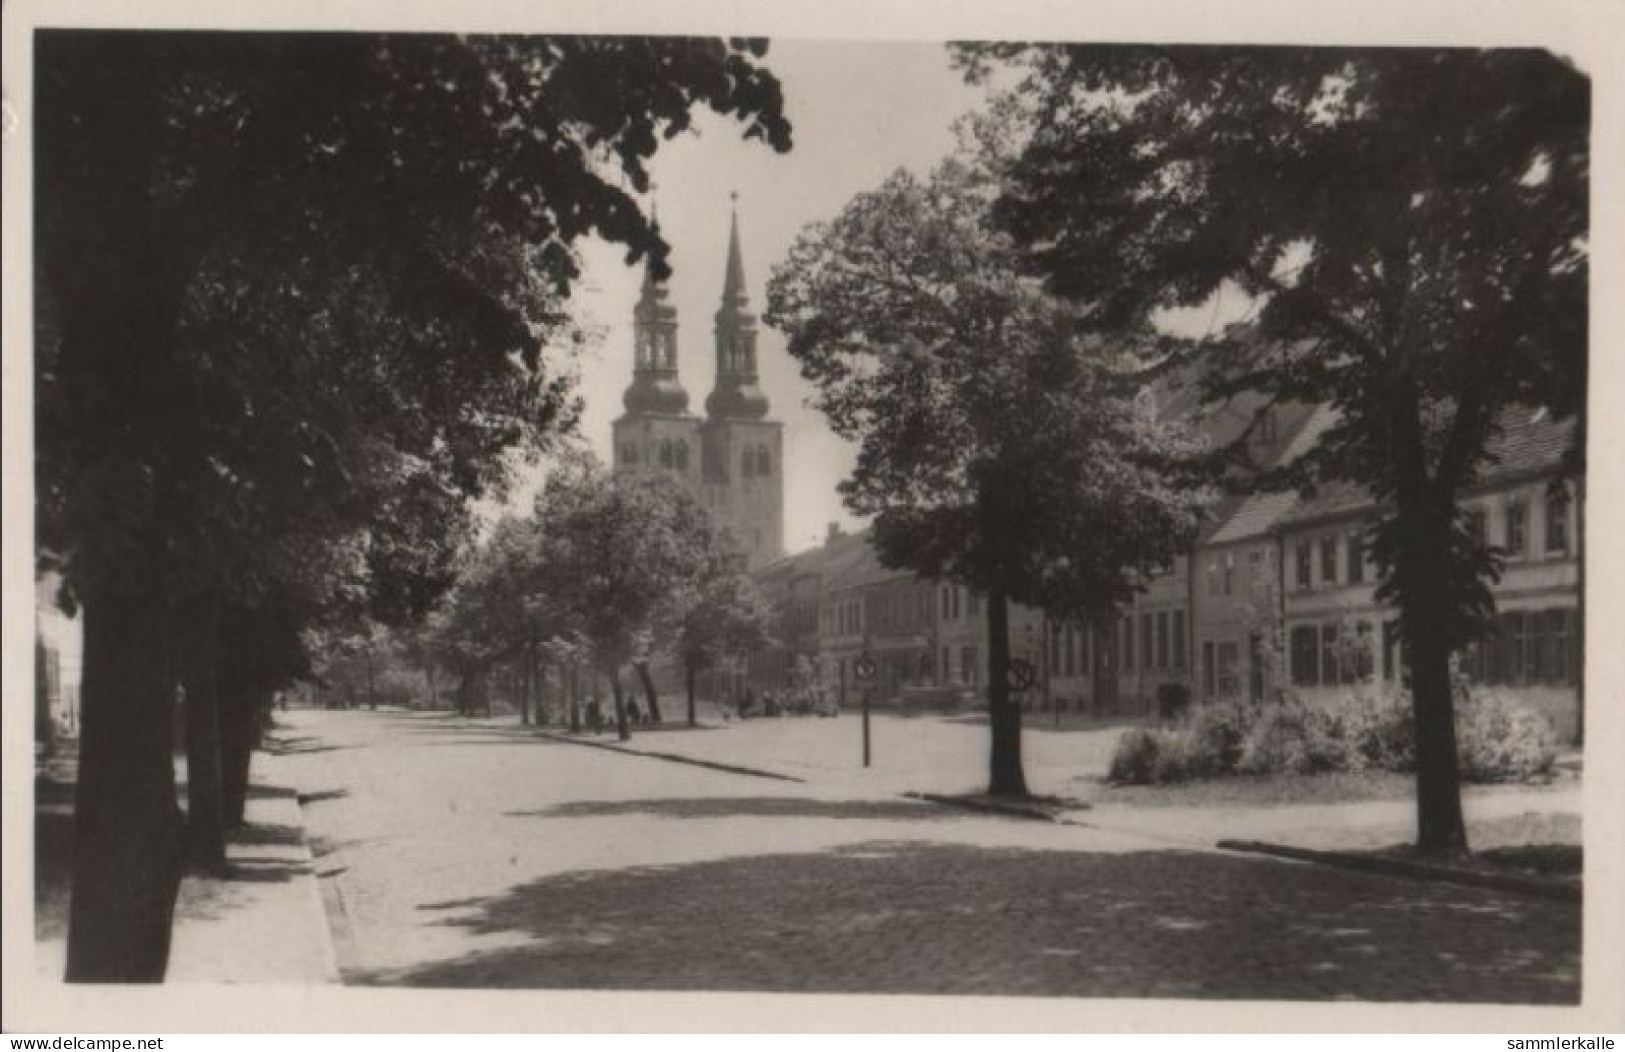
{"x":731,"y":459}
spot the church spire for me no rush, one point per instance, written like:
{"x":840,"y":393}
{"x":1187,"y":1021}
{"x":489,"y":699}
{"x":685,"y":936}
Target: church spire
{"x":736,"y":396}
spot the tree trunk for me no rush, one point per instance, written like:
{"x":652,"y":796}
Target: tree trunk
{"x":649,"y":693}
{"x":524,"y":689}
{"x":1425,"y":518}
{"x":44,"y":728}
{"x":200,"y":662}
{"x":434,"y":692}
{"x":623,"y":729}
{"x":689,"y":673}
{"x":129,"y":842}
{"x":239,"y":736}
{"x":1006,"y":777}
{"x":575,"y":699}
{"x":372,"y":693}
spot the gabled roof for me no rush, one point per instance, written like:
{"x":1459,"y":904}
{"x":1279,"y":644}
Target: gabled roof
{"x":1526,"y":442}
{"x":1257,"y":515}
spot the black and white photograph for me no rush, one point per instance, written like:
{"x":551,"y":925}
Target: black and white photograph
{"x":1032,"y":519}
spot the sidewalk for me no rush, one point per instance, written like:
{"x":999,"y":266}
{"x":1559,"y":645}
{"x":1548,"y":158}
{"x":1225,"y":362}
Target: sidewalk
{"x":263,"y":920}
{"x":260,"y":921}
{"x":930,"y":755}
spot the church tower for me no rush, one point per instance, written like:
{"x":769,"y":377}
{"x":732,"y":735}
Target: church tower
{"x":657,"y":432}
{"x":742,"y":471}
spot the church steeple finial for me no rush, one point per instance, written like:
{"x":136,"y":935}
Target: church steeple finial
{"x":733,"y":282}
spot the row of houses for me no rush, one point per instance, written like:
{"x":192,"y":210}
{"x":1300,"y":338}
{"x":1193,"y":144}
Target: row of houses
{"x":1278,"y":593}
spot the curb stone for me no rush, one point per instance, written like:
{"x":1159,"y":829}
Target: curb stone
{"x":1517,"y":884}
{"x":671,"y":757}
{"x":1009,"y":809}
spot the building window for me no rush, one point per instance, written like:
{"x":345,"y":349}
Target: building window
{"x":1557,"y":522}
{"x":967,"y":665}
{"x":1229,"y":573}
{"x":1162,"y":639}
{"x":973,"y":602}
{"x":680,"y":455}
{"x":1145,"y":641}
{"x":764,"y":462}
{"x":1478,"y":526}
{"x":665,"y":454}
{"x":1305,"y":559}
{"x":747,"y":462}
{"x":1213,"y":587}
{"x":1329,"y":663}
{"x":1305,"y":656}
{"x":1356,"y":557}
{"x":1517,"y":545}
{"x":1128,"y":644}
{"x":1229,"y":658}
{"x":1328,"y":560}
{"x":1071,"y":650}
{"x":629,"y":454}
{"x":945,"y":590}
{"x":1179,"y":639}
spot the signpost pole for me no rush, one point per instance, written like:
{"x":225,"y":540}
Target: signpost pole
{"x":863,"y":670}
{"x":865,"y":726}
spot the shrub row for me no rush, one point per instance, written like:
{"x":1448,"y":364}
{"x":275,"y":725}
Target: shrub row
{"x":1499,"y":740}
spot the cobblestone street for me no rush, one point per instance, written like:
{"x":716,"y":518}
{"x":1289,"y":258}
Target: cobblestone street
{"x":459,"y":855}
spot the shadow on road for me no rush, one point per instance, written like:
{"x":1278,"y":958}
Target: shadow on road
{"x":747,"y":807}
{"x":889,"y":916}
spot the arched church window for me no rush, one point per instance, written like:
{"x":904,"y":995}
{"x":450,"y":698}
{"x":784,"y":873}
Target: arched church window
{"x":747,"y":462}
{"x":681,"y":455}
{"x":764,"y":462}
{"x":665,"y":454}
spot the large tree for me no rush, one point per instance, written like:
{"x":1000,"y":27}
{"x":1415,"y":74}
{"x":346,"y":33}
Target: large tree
{"x":1411,"y":227}
{"x":722,"y":615}
{"x":238,"y":228}
{"x":994,"y":448}
{"x":622,"y":553}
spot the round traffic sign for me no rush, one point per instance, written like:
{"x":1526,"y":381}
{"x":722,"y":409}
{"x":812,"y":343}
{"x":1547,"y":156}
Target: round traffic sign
{"x":1020,"y":674}
{"x":864,"y":668}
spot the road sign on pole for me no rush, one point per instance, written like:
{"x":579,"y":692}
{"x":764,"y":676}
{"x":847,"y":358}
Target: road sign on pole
{"x":1020,"y":674}
{"x":863,"y":670}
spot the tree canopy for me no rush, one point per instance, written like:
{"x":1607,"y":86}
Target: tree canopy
{"x":1410,"y":227}
{"x":994,"y":448}
{"x":294,"y":292}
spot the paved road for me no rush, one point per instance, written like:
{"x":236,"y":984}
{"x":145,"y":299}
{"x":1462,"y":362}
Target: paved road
{"x":479,"y":856}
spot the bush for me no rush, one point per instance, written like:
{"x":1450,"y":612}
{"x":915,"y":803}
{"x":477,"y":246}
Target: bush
{"x":1378,"y":732}
{"x":1135,"y":758}
{"x":1499,"y":740}
{"x":1217,"y":733}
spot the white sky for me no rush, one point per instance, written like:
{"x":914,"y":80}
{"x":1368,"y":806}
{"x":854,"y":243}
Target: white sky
{"x":859,"y":111}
